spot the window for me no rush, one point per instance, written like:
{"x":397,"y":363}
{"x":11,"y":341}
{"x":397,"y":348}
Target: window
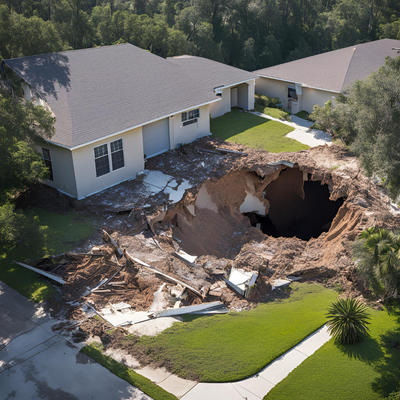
{"x":47,"y":161}
{"x":190,"y":117}
{"x":117,"y":154}
{"x":101,"y":160}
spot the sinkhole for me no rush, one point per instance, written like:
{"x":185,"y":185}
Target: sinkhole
{"x":297,"y":207}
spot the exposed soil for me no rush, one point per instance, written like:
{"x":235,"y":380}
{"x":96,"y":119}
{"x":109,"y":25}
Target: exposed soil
{"x":321,"y":196}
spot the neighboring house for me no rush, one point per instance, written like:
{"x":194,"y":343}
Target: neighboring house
{"x":117,"y":105}
{"x":314,"y":80}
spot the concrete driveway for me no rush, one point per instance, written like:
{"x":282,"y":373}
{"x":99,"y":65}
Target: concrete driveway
{"x":35,"y":363}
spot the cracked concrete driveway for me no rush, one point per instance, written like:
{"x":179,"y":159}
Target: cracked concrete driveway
{"x":35,"y":363}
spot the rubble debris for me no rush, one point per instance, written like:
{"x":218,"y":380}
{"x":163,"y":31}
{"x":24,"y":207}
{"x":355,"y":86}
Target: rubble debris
{"x":294,"y":278}
{"x":121,"y":314}
{"x":49,"y":275}
{"x":101,"y":283}
{"x":117,"y":250}
{"x":280,"y":283}
{"x":241,"y":281}
{"x":185,"y":257}
{"x":133,"y":259}
{"x":215,"y":307}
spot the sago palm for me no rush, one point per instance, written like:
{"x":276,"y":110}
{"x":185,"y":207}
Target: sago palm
{"x":348,"y":320}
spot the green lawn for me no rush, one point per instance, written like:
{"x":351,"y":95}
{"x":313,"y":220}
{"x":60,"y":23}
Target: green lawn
{"x":368,"y":370}
{"x":273,"y":112}
{"x":65,"y":231}
{"x":231,"y":347}
{"x":145,"y":385}
{"x":302,"y":114}
{"x":256,"y":132}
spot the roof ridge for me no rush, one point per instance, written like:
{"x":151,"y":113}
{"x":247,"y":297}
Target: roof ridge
{"x":348,"y":66}
{"x":72,"y":50}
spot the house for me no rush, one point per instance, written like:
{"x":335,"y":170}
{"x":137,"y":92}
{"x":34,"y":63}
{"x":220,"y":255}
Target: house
{"x":314,"y":80}
{"x":117,"y":105}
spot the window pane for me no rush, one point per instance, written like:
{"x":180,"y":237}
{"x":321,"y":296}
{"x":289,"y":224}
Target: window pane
{"x":100,"y":151}
{"x":102,"y":166}
{"x":117,"y":159}
{"x":184,"y":116}
{"x":116,"y":146}
{"x":196,"y":113}
{"x":46,"y":154}
{"x":49,"y":166}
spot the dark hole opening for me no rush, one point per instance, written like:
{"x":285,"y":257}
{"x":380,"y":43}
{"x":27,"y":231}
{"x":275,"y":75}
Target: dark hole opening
{"x":291,"y":215}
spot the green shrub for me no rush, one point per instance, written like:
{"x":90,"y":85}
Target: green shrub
{"x":267,"y":101}
{"x":347,"y":320}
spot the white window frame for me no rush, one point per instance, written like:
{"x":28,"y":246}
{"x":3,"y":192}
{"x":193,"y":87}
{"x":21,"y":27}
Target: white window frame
{"x":98,"y":157}
{"x":187,"y":119}
{"x":112,"y":152}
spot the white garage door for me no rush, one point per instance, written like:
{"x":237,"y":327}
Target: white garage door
{"x":156,"y":137}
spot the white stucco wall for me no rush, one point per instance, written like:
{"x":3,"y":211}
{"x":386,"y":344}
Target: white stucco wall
{"x":187,"y":134}
{"x":273,"y":88}
{"x":84,"y":164}
{"x":223,"y":106}
{"x":307,"y":99}
{"x":63,"y":170}
{"x":251,"y":93}
{"x":310,"y":97}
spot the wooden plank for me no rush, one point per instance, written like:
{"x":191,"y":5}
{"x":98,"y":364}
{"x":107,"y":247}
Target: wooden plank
{"x":133,"y":259}
{"x":49,"y":275}
{"x":231,"y":151}
{"x":210,"y":151}
{"x":114,"y":243}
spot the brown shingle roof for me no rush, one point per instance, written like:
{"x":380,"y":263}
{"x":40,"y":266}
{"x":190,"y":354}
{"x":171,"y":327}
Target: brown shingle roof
{"x":335,"y":70}
{"x":100,"y":91}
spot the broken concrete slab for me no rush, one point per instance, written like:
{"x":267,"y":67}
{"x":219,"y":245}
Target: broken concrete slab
{"x":215,"y":307}
{"x":154,"y":326}
{"x":280,"y":283}
{"x":245,"y":393}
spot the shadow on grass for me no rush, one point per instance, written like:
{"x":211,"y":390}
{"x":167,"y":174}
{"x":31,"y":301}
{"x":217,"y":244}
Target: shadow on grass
{"x":388,"y":366}
{"x":367,"y":351}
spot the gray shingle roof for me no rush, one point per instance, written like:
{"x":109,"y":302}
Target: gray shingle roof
{"x":100,"y":91}
{"x":335,"y":70}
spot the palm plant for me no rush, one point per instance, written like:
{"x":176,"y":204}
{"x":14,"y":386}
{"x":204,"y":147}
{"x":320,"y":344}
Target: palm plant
{"x":381,"y":254}
{"x":348,"y":320}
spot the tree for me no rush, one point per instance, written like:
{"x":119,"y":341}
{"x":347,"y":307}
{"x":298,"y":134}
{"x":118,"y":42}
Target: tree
{"x":369,"y":121}
{"x":22,"y":126}
{"x":378,"y":255}
{"x":348,"y":320}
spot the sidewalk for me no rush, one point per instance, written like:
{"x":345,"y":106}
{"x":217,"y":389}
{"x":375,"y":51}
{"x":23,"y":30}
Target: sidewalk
{"x":257,"y":386}
{"x":36,"y":363}
{"x":302,"y":132}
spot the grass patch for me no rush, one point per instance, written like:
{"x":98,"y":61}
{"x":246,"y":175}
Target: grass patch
{"x":231,"y":347}
{"x":273,"y":112}
{"x":302,"y":114}
{"x":93,"y":350}
{"x":256,"y":132}
{"x":64,"y":231}
{"x":369,"y":370}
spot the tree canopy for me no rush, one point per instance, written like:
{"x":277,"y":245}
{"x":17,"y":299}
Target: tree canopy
{"x":250,"y":34}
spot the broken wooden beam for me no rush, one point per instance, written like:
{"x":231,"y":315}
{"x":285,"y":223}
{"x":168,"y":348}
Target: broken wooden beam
{"x":101,"y":283}
{"x":114,"y":244}
{"x":49,"y":275}
{"x":211,"y":151}
{"x":231,"y":151}
{"x":135,"y":260}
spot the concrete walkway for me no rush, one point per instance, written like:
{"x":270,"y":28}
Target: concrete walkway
{"x":302,"y":132}
{"x":35,"y":363}
{"x":259,"y":385}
